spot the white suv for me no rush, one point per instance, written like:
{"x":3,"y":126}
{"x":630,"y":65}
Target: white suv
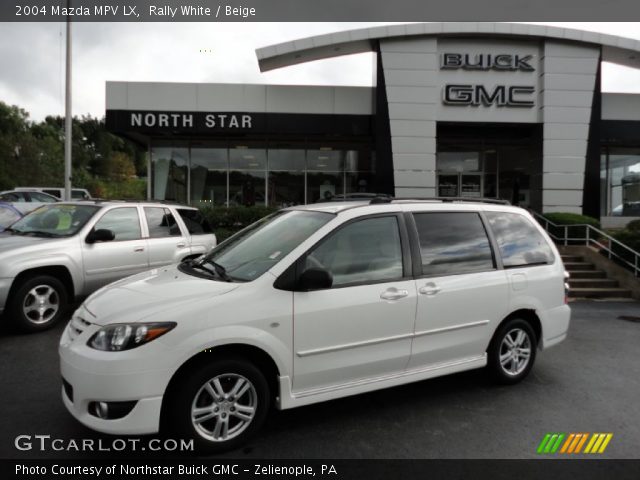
{"x":310,"y":304}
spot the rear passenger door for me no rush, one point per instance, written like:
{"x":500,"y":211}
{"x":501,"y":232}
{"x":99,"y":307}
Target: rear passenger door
{"x":167,"y":243}
{"x":462,"y":295}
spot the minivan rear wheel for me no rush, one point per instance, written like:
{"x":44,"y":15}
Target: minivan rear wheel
{"x":38,"y":302}
{"x":220,"y":406}
{"x":512,"y":351}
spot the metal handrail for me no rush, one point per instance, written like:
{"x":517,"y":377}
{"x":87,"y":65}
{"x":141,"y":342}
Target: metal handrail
{"x":590,"y":239}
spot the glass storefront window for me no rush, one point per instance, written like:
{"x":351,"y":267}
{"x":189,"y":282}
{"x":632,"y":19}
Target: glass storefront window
{"x":622,"y":181}
{"x":170,"y":173}
{"x":209,"y":167}
{"x":247,"y":176}
{"x":286,"y":177}
{"x":359,"y":170}
{"x":281,"y":176}
{"x":325,"y":174}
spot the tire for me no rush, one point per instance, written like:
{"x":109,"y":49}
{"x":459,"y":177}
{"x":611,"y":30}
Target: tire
{"x":38,"y":302}
{"x":207,"y":426}
{"x":512,"y":352}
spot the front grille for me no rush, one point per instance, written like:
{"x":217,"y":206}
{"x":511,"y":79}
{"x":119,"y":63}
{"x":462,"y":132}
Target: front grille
{"x":68,"y":389}
{"x":77,"y":325}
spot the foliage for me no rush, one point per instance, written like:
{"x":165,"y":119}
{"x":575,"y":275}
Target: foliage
{"x":566,"y":218}
{"x":227,"y":221}
{"x":32,"y":154}
{"x":630,"y":235}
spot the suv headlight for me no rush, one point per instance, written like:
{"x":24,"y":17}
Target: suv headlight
{"x":125,"y":336}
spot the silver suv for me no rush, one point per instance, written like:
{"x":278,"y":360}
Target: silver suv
{"x":67,"y":250}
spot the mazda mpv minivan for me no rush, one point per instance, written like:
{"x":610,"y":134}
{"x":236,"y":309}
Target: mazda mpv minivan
{"x":310,"y":304}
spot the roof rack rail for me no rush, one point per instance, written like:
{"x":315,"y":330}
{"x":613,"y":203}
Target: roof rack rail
{"x":494,"y":201}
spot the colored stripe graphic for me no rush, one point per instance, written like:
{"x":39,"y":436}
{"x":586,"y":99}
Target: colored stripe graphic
{"x":573,"y":443}
{"x":598,"y":442}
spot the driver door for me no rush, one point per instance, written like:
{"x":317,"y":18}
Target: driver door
{"x":362,"y":326}
{"x":126,"y":254}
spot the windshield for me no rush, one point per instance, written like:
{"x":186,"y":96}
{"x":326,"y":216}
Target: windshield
{"x":257,"y":248}
{"x":55,"y":220}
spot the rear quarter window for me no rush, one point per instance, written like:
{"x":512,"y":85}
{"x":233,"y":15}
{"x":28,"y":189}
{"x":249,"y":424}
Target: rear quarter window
{"x":519,"y":241}
{"x":452,"y":243}
{"x":195,"y":222}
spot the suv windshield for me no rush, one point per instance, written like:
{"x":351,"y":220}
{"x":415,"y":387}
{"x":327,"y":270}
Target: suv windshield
{"x":252,"y":251}
{"x":55,"y":220}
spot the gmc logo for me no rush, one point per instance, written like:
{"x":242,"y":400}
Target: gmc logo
{"x":501,"y":95}
{"x":486,"y":61}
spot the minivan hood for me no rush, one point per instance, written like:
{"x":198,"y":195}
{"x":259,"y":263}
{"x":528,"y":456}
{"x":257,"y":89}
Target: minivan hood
{"x":141,"y":297}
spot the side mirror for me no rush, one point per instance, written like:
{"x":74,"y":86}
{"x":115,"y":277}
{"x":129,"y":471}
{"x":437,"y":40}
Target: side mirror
{"x":100,"y":235}
{"x":315,"y":279}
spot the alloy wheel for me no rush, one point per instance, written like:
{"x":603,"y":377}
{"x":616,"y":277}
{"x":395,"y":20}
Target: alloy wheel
{"x":41,"y":304}
{"x":515,"y":352}
{"x":224,"y":407}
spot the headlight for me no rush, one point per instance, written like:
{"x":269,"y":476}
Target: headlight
{"x":123,"y":336}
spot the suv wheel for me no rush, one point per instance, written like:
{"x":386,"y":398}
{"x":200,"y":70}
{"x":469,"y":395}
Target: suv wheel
{"x":220,"y":406}
{"x":38,"y":303}
{"x":512,"y":351}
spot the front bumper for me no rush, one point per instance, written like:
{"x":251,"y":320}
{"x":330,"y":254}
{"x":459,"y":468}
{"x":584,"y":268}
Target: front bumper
{"x":96,"y":376}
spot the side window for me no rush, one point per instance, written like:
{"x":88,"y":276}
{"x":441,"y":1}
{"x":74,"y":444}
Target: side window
{"x":453,"y":243}
{"x":39,"y":197}
{"x":519,"y":240}
{"x":123,"y":222}
{"x":195,"y":222}
{"x":161,"y":222}
{"x":368,"y":250}
{"x":11,"y":197}
{"x":55,"y":193}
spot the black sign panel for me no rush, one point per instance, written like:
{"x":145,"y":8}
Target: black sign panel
{"x":212,"y":123}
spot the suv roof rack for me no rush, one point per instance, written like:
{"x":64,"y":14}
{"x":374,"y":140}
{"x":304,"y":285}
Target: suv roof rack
{"x":494,"y":201}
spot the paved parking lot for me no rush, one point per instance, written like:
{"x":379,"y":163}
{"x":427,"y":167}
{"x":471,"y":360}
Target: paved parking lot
{"x":590,"y":383}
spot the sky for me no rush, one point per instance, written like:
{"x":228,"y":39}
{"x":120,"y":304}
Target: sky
{"x":32,"y":59}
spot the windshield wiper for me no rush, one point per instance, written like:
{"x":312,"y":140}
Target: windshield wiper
{"x":219,"y":269}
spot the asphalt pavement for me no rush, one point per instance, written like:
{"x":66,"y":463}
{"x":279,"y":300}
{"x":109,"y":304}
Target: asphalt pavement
{"x":589,"y":383}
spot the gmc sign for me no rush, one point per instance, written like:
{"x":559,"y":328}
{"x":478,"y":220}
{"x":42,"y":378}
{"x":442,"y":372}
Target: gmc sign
{"x":501,"y":95}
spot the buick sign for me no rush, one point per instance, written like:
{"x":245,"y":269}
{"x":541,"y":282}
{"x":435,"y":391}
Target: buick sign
{"x":486,"y":61}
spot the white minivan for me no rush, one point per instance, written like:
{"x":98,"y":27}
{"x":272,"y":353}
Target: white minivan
{"x":310,"y":304}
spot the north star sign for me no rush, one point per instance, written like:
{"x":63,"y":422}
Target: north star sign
{"x":190,"y":120}
{"x":499,"y":95}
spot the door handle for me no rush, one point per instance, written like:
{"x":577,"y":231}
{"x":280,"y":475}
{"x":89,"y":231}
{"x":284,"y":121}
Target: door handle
{"x":429,"y":289}
{"x":393,"y":294}
{"x":138,"y":249}
{"x":181,"y":245}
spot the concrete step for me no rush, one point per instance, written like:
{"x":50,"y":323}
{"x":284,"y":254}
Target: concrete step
{"x":592,"y":283}
{"x":599,"y":293}
{"x":572,"y":258}
{"x":587,"y":274}
{"x":571,"y":266}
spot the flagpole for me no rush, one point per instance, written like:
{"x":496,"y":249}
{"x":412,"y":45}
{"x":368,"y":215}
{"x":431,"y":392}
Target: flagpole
{"x":68,"y":116}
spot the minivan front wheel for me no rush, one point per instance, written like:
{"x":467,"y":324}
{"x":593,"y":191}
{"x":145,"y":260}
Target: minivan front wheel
{"x":37,"y":303}
{"x":512,"y":351}
{"x":221,"y":405}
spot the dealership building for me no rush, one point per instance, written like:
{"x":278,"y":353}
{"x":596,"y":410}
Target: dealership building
{"x":497,"y":110}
